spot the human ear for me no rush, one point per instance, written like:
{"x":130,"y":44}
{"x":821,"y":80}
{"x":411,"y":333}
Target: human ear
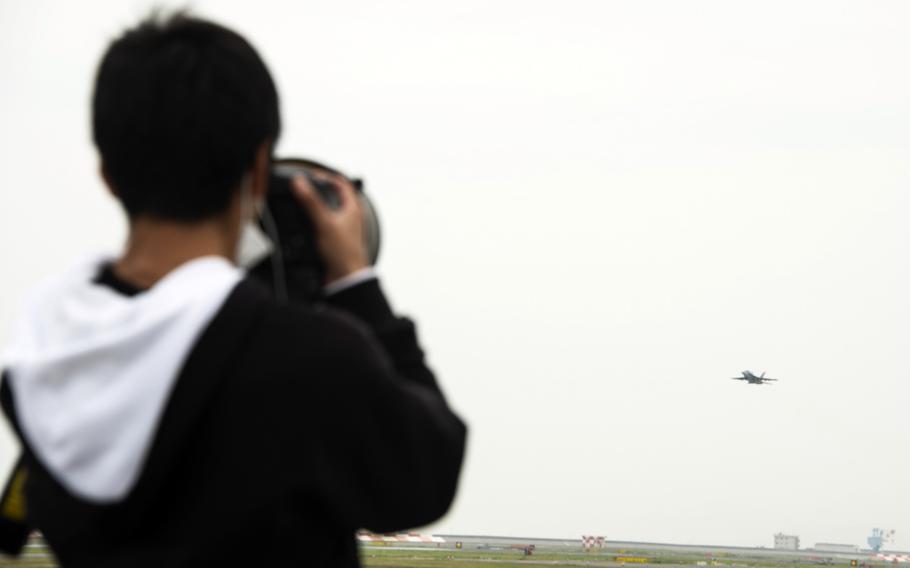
{"x":262,"y":164}
{"x":106,"y":178}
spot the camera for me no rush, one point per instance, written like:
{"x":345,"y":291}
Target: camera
{"x":294,"y":270}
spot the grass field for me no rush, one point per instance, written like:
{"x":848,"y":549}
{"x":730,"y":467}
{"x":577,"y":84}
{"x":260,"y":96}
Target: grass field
{"x":515,"y":559}
{"x":37,"y":556}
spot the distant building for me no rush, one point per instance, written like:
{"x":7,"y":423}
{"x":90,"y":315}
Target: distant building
{"x":830,"y":547}
{"x":786,"y":542}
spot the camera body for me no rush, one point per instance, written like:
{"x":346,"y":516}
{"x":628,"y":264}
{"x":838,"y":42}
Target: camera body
{"x":294,"y":269}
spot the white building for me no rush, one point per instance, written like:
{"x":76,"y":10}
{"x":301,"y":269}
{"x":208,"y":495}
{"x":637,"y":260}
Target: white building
{"x":786,"y":542}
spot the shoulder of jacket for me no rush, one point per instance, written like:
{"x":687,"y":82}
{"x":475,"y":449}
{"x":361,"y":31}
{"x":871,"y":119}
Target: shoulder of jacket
{"x":303,"y":325}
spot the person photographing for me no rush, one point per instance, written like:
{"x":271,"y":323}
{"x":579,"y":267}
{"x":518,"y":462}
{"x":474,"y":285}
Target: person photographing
{"x":173,"y":412}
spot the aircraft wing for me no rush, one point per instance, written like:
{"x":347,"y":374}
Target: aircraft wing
{"x":767,"y":379}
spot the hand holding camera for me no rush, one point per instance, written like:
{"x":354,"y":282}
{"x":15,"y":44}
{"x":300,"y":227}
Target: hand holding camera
{"x":322,"y":225}
{"x":338,"y":231}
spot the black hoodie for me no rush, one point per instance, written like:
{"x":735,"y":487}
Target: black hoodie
{"x":280,"y":432}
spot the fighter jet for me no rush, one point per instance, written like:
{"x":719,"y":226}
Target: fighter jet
{"x":752,"y":379}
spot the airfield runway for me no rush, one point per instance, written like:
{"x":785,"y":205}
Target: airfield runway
{"x":651,"y":552}
{"x":555,"y":544}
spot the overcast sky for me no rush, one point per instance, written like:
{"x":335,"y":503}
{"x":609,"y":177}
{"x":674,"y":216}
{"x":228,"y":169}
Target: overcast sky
{"x":598,"y":212}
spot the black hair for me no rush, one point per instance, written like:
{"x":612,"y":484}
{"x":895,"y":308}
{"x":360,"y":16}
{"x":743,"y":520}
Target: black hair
{"x":179,"y":109}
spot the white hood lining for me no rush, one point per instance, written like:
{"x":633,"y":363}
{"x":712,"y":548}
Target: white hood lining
{"x":91,"y":369}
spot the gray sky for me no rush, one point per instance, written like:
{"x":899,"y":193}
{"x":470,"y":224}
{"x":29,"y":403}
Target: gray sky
{"x":598,"y":212}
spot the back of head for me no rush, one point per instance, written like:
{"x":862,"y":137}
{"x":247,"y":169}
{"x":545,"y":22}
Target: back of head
{"x":179,"y":109}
